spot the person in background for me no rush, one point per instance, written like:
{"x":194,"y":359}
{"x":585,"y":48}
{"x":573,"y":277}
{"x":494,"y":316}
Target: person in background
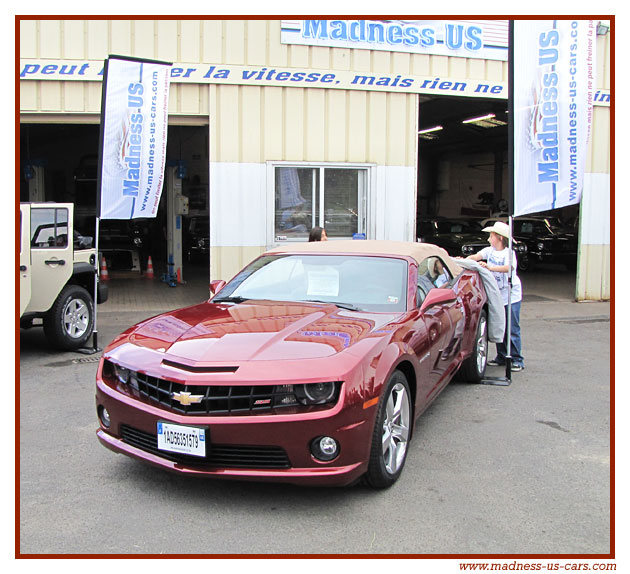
{"x":438,"y":275}
{"x":496,"y":260}
{"x":317,"y":234}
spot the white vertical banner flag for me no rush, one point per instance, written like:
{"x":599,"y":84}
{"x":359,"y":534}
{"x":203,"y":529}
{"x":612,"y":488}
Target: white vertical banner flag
{"x":134,"y":124}
{"x":554,"y":81}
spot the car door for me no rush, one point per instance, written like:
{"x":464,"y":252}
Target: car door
{"x":443,"y":322}
{"x":51,"y":253}
{"x":25,"y":258}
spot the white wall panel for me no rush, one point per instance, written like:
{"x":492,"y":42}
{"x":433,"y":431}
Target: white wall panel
{"x":238,"y":204}
{"x":595,"y":218}
{"x":393,"y":204}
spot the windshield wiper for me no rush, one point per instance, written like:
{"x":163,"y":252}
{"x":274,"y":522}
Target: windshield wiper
{"x":230,"y":299}
{"x":348,"y":306}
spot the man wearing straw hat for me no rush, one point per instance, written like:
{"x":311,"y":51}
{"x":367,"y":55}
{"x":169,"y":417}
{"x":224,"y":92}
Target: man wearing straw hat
{"x":496,"y":258}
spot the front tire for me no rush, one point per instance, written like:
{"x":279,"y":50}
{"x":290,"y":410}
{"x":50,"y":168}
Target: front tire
{"x":525,"y":264}
{"x":70,"y":322}
{"x":391,"y":435}
{"x":473,"y":369}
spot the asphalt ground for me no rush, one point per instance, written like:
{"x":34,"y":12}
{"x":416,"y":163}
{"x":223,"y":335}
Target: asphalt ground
{"x":522,"y":469}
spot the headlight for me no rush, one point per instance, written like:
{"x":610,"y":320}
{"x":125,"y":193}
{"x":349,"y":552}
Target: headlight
{"x":316,"y":393}
{"x":121,"y":374}
{"x":137,"y":241}
{"x":308,"y":394}
{"x":467,"y":249}
{"x":540,"y":246}
{"x":521,"y":248}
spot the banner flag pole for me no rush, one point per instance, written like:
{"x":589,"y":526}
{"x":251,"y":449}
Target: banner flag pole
{"x":97,"y":222}
{"x":511,"y":186}
{"x":507,"y":380}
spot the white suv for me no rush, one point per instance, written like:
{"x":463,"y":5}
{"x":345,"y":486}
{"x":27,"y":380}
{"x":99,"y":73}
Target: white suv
{"x":57,"y":271}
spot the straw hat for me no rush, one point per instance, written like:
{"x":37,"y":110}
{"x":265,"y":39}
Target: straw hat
{"x":500,"y":228}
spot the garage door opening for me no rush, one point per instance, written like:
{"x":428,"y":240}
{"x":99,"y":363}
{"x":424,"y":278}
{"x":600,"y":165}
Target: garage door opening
{"x":59,"y":163}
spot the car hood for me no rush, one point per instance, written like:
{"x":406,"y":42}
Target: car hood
{"x":258,"y":331}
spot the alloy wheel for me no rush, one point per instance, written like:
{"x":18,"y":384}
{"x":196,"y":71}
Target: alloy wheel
{"x":482,"y":345}
{"x":76,"y":318}
{"x":396,"y":428}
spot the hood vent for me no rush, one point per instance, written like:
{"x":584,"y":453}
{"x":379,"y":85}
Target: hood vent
{"x":198,"y":369}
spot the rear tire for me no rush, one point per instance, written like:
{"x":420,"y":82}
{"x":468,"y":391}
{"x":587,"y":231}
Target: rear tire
{"x":473,"y":369}
{"x":70,"y":322}
{"x":392,"y":431}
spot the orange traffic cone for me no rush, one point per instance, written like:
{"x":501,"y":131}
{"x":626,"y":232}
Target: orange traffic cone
{"x":149,"y":274}
{"x":104,"y":272}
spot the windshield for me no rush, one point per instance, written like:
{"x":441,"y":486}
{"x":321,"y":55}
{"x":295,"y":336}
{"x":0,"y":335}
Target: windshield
{"x":366,"y":283}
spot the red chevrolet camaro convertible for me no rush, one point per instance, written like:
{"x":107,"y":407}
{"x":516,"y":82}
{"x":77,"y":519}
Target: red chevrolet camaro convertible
{"x":310,"y":366}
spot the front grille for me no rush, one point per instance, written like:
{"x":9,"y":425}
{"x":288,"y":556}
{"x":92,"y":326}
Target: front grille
{"x":215,"y":399}
{"x":219,"y":456}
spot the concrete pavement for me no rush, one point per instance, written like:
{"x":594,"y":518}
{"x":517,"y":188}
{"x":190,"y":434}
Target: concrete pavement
{"x":507,"y":470}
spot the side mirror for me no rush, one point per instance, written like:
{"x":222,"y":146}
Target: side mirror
{"x":437,"y":296}
{"x":216,"y":286}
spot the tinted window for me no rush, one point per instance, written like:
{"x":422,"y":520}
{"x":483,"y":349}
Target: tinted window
{"x":49,"y":228}
{"x":432,"y":273}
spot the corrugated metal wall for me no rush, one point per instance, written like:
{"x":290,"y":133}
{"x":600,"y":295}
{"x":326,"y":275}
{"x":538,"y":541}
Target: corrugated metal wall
{"x":593,"y":276}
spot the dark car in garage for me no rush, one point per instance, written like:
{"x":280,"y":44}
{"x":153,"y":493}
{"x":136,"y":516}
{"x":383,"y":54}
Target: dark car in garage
{"x":548,"y":240}
{"x":452,"y":234}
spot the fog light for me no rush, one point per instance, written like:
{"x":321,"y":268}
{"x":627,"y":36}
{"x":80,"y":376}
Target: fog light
{"x":325,"y":448}
{"x":103,"y":415}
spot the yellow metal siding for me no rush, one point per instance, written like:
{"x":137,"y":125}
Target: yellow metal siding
{"x":598,"y":159}
{"x":593,"y":275}
{"x":302,"y":124}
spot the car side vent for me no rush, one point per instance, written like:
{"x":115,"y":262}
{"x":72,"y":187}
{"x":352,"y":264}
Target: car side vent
{"x":199,"y":369}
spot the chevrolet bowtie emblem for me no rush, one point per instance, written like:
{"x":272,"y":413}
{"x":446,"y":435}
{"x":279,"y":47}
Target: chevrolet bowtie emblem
{"x":187,"y":398}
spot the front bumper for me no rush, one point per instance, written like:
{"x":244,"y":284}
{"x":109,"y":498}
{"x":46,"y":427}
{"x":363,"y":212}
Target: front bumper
{"x":269,"y":447}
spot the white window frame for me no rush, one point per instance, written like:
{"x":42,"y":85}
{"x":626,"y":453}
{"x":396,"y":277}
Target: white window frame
{"x":366,"y":171}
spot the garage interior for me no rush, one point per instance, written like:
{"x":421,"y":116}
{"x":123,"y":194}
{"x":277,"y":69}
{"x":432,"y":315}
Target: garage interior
{"x":59,"y":163}
{"x":463,"y":159}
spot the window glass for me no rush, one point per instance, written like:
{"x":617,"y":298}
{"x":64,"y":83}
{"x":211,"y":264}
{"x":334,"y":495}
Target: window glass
{"x":328,"y":197}
{"x":341,"y":202}
{"x":368,"y":283}
{"x":432,"y":273}
{"x":296,"y":201}
{"x":49,"y":228}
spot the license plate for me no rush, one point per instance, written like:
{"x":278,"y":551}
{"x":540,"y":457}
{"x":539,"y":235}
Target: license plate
{"x":182,"y":439}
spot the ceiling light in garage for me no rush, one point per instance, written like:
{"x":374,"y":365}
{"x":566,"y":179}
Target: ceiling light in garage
{"x":429,"y":133}
{"x":486,"y":121}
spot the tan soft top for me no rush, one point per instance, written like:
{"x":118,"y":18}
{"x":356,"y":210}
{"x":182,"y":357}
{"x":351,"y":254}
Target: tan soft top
{"x":417,"y":251}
